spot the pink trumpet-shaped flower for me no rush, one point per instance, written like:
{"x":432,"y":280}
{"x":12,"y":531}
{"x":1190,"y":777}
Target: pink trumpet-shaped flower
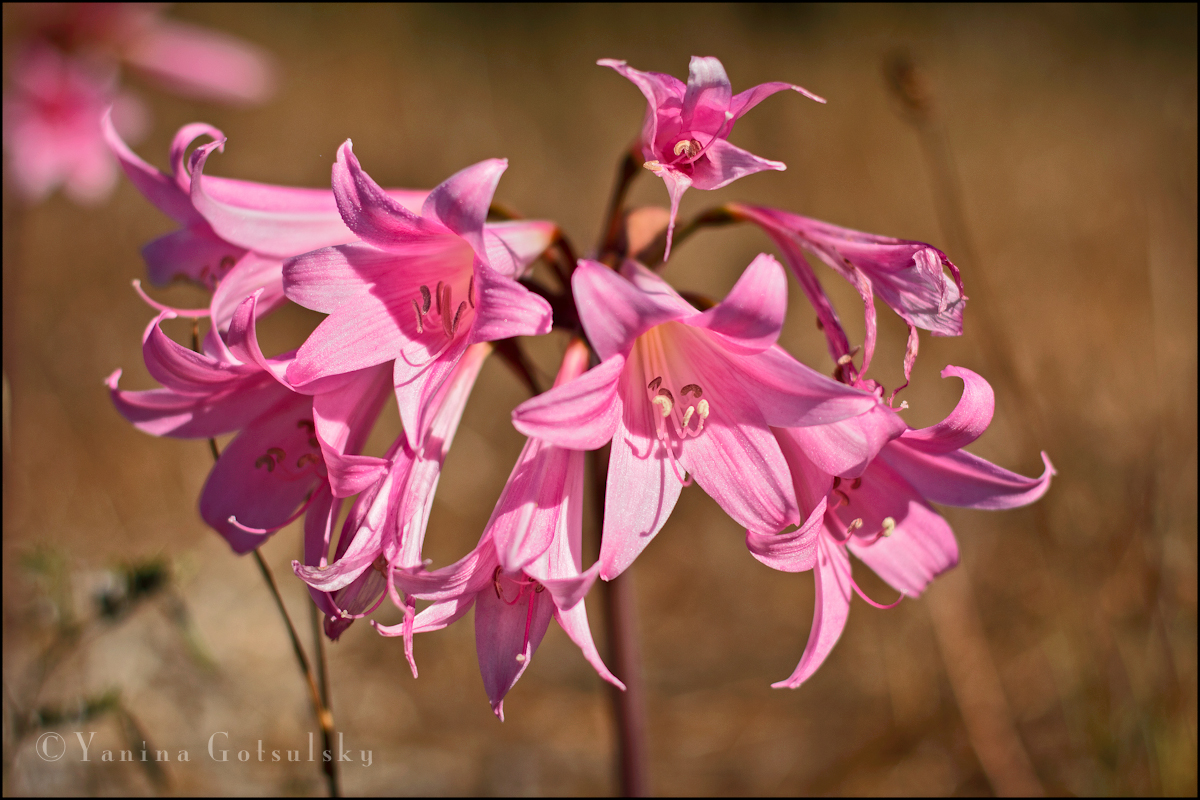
{"x":907,"y":275}
{"x":419,"y":289}
{"x":52,"y":131}
{"x":235,"y":233}
{"x":386,"y":526}
{"x":681,"y":391}
{"x":281,"y":459}
{"x":883,"y":515}
{"x":527,"y":567}
{"x":685,"y":135}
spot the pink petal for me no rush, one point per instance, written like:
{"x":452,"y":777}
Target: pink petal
{"x":969,"y":419}
{"x":502,"y":632}
{"x":250,"y":275}
{"x":514,"y":245}
{"x":345,"y":415}
{"x":325,"y":279}
{"x":723,"y":163}
{"x":845,"y":448}
{"x":369,"y":212}
{"x":661,"y":91}
{"x":533,"y":502}
{"x":833,"y":580}
{"x":360,"y":333}
{"x":277,"y":221}
{"x":505,"y":308}
{"x":203,"y":63}
{"x":241,"y":486}
{"x":195,"y":253}
{"x":744,"y":101}
{"x":707,"y":97}
{"x":961,"y":479}
{"x":157,"y":187}
{"x":461,"y":202}
{"x":164,"y":412}
{"x":642,"y":488}
{"x":794,"y":551}
{"x":574,"y":621}
{"x":614,"y":312}
{"x":580,"y":414}
{"x":750,"y":317}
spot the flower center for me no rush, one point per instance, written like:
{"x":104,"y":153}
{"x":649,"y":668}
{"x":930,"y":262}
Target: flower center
{"x":439,"y":304}
{"x":680,"y":408}
{"x":308,"y":463}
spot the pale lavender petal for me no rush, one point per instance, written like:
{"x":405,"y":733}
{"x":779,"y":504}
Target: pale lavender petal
{"x":961,"y":479}
{"x":505,"y":308}
{"x":580,"y":414}
{"x":966,"y":423}
{"x":614,"y":311}
{"x":833,"y":580}
{"x":416,"y":387}
{"x":345,"y":415}
{"x":514,"y":245}
{"x":183,"y":370}
{"x":461,"y":202}
{"x":793,"y":551}
{"x":750,"y":317}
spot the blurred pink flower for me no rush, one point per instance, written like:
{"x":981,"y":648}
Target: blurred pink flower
{"x":883,"y":515}
{"x":683,"y":391}
{"x":52,"y":130}
{"x":907,"y":275}
{"x":684,"y":137}
{"x":531,"y":550}
{"x":419,"y":288}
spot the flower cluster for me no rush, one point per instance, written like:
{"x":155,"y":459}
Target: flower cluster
{"x":64,"y":74}
{"x":421,"y":287}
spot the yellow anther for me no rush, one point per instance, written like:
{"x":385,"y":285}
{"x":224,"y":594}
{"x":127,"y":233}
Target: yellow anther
{"x":856,"y":524}
{"x":664,"y":404}
{"x":653,"y":166}
{"x":687,"y":147}
{"x":844,"y":360}
{"x":520,"y":657}
{"x":702,"y":409}
{"x":903,"y":404}
{"x":687,"y":415}
{"x":889,"y":525}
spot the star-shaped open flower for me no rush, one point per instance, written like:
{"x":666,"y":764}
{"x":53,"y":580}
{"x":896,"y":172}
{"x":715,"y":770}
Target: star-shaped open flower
{"x":419,"y":289}
{"x":880,"y":510}
{"x":679,"y":390}
{"x":685,"y":135}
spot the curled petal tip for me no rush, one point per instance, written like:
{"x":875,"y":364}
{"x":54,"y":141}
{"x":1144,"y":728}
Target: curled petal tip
{"x":112,"y":379}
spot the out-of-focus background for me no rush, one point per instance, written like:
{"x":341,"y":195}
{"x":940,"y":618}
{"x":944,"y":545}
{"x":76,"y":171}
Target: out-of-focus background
{"x":1059,"y":657}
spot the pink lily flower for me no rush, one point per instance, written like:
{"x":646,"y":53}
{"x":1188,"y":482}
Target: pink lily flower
{"x":884,"y":515}
{"x":419,"y":288}
{"x":52,"y":129}
{"x":682,"y":391}
{"x":386,"y":527}
{"x":907,"y":275}
{"x":236,"y":234}
{"x":529,"y":553}
{"x":280,"y":460}
{"x":685,"y":135}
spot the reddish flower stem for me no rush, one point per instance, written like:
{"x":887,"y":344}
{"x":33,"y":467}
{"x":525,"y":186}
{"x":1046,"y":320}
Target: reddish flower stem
{"x":624,"y":659}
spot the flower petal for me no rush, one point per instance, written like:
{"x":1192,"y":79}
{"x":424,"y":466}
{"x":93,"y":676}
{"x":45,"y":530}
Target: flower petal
{"x":966,"y":423}
{"x":367,"y":209}
{"x":723,"y":163}
{"x":195,"y":253}
{"x":202,"y":63}
{"x":794,"y":551}
{"x":961,"y":479}
{"x":505,"y":308}
{"x":707,"y":97}
{"x":505,"y":632}
{"x":614,"y":311}
{"x":155,"y":185}
{"x":845,"y":448}
{"x":461,"y":202}
{"x":515,"y":244}
{"x":581,"y":414}
{"x":833,"y":580}
{"x":750,"y":317}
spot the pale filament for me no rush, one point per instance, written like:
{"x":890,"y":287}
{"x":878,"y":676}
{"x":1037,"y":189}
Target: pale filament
{"x":439,"y":302}
{"x":525,"y":586}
